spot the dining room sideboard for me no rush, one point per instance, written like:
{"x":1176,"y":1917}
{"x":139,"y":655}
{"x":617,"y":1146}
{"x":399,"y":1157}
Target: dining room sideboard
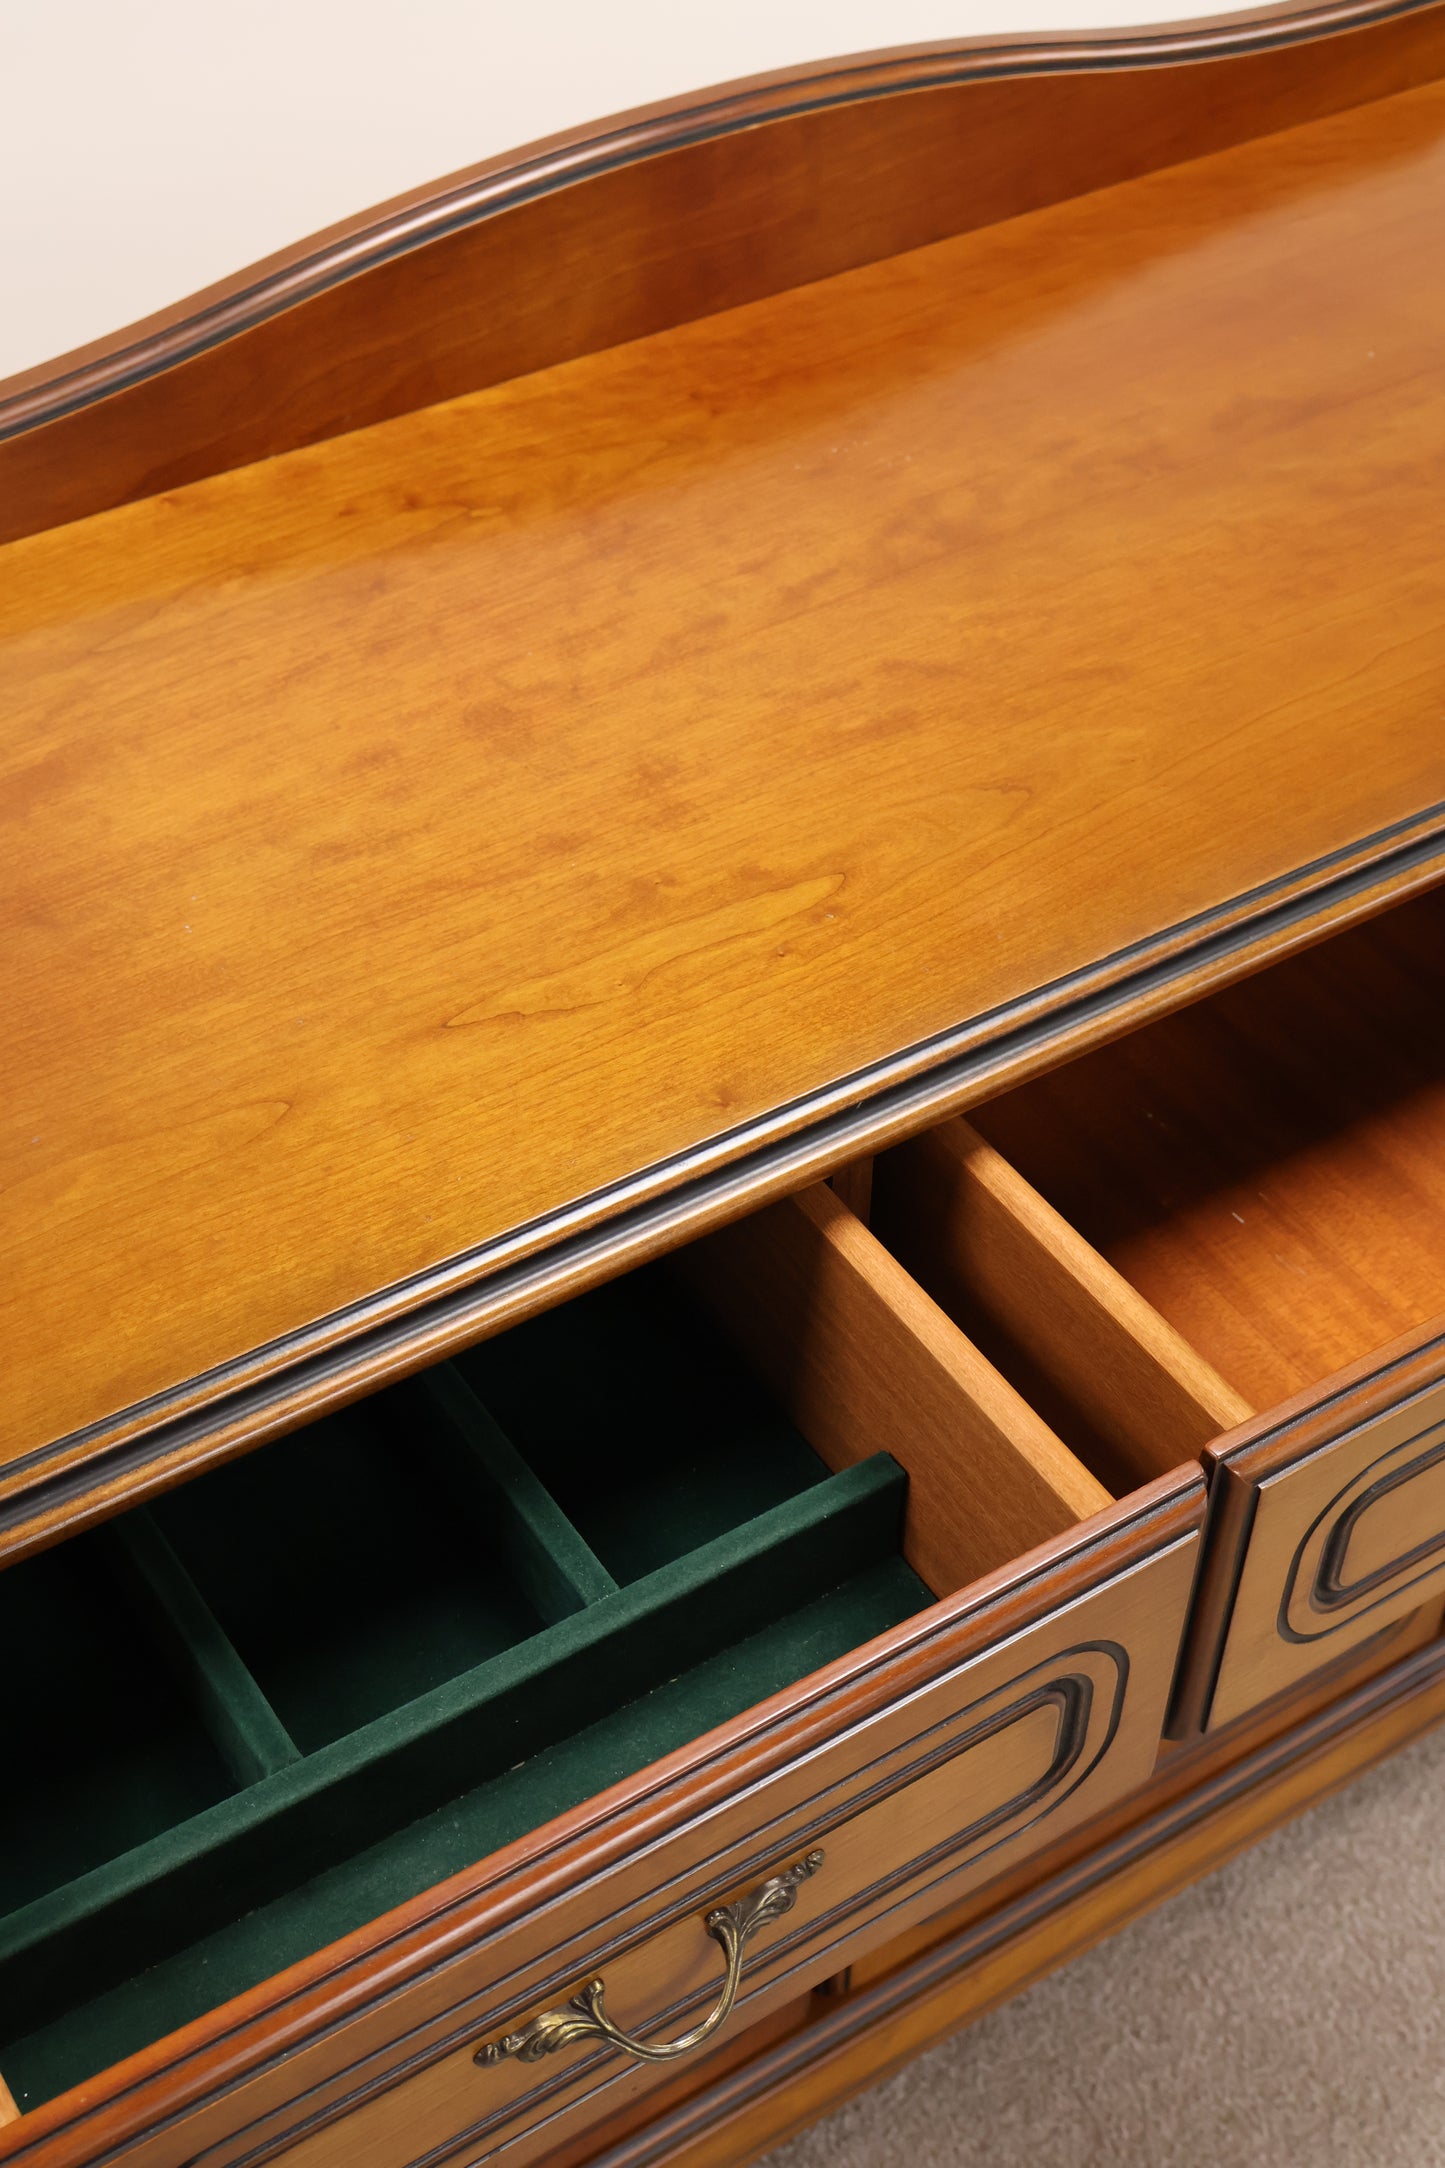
{"x":723,"y":887}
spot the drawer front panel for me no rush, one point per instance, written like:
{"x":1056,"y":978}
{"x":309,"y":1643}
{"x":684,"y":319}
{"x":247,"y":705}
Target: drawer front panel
{"x":1328,"y":1525}
{"x":932,"y":1797}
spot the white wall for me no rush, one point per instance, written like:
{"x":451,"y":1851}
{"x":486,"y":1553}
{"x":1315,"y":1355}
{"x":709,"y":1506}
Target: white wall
{"x":148,"y":147}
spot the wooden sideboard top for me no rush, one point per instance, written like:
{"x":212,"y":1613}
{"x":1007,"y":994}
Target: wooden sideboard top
{"x":409,"y":836}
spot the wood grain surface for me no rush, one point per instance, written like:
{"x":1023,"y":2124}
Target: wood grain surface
{"x":984,"y":1921}
{"x":407,"y":836}
{"x":935,"y":1797}
{"x":1186,"y":1767}
{"x":865,"y":1362}
{"x":1268,"y":1168}
{"x":675,"y":1976}
{"x":995,"y":1933}
{"x":610,"y":232}
{"x":1078,"y":1341}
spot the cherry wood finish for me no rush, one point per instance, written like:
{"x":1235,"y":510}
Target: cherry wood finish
{"x":312,"y":763}
{"x":996,"y":1942}
{"x":1184,"y":1766}
{"x":1119,"y":1383}
{"x":607,"y":234}
{"x":1327,"y":1519}
{"x":1267,"y":1168}
{"x":686,"y":2083}
{"x":864,"y":1362}
{"x":1000,"y":1771}
{"x":854,"y":1184}
{"x":455,"y":859}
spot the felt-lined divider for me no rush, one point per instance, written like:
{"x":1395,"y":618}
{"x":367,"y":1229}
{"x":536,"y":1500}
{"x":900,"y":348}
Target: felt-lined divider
{"x":89,"y":2035}
{"x":637,"y":1415}
{"x":347,"y":1574}
{"x":549,"y":1557}
{"x":105,"y":1749}
{"x":297,"y":1822}
{"x":381,"y":1633}
{"x":251,"y":1737}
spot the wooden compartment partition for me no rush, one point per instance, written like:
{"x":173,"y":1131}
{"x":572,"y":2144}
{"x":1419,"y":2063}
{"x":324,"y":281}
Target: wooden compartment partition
{"x":1114,"y":1378}
{"x":1267,"y":1168}
{"x":281,"y":1697}
{"x":1239,"y":1207}
{"x":860,"y":1356}
{"x":474,"y":1599}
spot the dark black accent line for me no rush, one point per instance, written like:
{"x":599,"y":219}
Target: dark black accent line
{"x":859,"y":2014}
{"x":937,"y":1074}
{"x":1330,"y":1592}
{"x":1277,"y":1431}
{"x":1387,"y":1581}
{"x":1241,"y":1552}
{"x":1345,"y":1393}
{"x":934,"y":1629}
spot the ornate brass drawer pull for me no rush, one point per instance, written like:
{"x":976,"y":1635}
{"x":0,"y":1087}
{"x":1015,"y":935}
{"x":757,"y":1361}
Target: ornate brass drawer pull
{"x":584,"y":2018}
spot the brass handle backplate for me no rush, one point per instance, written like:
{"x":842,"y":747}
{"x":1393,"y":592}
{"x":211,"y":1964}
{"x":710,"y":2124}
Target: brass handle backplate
{"x":583,"y":2018}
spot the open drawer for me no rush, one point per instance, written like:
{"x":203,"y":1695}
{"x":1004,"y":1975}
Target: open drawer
{"x":1264,"y":1176}
{"x":747,"y":1572}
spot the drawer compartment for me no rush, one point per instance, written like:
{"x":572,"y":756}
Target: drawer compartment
{"x":1267,"y":1171}
{"x":377,"y":1650}
{"x":382,"y":1642}
{"x":663,"y":1565}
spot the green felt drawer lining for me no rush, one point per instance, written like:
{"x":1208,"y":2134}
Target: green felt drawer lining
{"x":294,"y":1822}
{"x":253,"y":1741}
{"x":375,"y":1652}
{"x":548,"y":1556}
{"x":88,"y":2036}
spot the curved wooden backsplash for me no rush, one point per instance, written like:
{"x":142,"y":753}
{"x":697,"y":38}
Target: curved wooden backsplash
{"x":654,"y":218}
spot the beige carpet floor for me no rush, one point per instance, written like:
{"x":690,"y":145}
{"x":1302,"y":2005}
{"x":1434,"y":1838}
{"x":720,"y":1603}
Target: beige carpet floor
{"x":1288,"y":2012}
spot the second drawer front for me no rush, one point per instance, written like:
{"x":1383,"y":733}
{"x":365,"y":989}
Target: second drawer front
{"x":1329,"y":1522}
{"x":910,"y":1810}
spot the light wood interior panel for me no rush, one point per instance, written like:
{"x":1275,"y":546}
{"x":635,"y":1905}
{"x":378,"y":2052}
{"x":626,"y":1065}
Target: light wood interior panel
{"x":864,"y":1361}
{"x":1107,"y":1372}
{"x":9,"y":2113}
{"x":1267,"y":1168}
{"x":854,"y":1184}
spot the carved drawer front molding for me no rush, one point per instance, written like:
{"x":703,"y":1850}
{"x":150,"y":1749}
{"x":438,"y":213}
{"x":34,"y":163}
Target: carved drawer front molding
{"x":984,"y":1763}
{"x":1327,"y":1522}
